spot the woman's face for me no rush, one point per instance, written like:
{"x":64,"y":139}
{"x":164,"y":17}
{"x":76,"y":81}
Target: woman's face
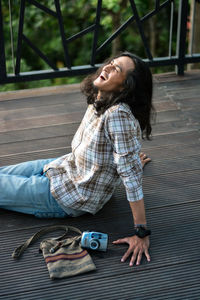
{"x":113,"y":75}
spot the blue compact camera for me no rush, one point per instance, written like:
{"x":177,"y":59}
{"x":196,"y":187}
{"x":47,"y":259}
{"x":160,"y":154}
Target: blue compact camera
{"x":94,"y":240}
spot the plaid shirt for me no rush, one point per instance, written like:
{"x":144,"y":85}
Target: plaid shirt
{"x":104,"y":149}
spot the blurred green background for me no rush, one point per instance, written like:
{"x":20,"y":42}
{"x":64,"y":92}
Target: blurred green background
{"x":43,"y":31}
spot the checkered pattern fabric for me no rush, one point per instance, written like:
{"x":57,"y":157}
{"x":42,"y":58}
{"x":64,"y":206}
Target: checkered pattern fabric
{"x":104,"y":149}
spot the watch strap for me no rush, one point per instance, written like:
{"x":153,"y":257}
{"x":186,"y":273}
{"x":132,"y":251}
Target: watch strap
{"x":141,"y":231}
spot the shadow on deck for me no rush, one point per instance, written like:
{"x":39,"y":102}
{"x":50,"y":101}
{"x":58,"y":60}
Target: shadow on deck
{"x":40,"y":124}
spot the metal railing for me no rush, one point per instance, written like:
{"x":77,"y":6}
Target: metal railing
{"x":179,"y":60}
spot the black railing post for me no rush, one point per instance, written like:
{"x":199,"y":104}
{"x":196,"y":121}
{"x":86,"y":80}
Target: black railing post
{"x":62,"y":33}
{"x":2,"y":48}
{"x":96,"y":31}
{"x":181,"y":35}
{"x":20,"y":37}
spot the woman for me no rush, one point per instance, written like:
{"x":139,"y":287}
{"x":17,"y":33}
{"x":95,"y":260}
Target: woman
{"x":105,"y":149}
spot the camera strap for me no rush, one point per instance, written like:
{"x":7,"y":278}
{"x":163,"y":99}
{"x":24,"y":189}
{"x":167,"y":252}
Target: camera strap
{"x":19,"y":250}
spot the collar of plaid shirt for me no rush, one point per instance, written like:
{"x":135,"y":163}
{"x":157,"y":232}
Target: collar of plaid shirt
{"x":104,"y":149}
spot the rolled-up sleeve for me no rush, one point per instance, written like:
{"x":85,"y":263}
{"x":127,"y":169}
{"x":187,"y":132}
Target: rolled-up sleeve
{"x":122,"y":131}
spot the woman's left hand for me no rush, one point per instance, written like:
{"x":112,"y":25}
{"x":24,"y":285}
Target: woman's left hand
{"x":137,"y":247}
{"x":144,"y":159}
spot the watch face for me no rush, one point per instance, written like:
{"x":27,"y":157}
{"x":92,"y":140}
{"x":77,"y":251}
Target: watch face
{"x":142,"y":232}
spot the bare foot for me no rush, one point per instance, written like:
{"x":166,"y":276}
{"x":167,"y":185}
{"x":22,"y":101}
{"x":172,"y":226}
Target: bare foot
{"x":144,"y":159}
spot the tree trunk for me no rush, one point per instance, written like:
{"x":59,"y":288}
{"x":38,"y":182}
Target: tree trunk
{"x":152,"y":35}
{"x":116,"y":44}
{"x":196,"y":40}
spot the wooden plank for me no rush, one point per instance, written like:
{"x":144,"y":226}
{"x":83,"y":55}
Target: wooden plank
{"x":28,"y":156}
{"x":169,"y":116}
{"x":183,"y":84}
{"x":58,"y":114}
{"x":171,"y":78}
{"x":173,"y":138}
{"x":31,"y":146}
{"x":38,"y":92}
{"x":189,"y":103}
{"x":154,"y":198}
{"x":41,"y":111}
{"x":168,"y":181}
{"x":172,"y":165}
{"x":185,"y":94}
{"x":193,"y":116}
{"x":74,"y":99}
{"x":36,"y":134}
{"x":181,"y":89}
{"x":65,"y":118}
{"x":173,"y":127}
{"x":161,"y":153}
{"x":165,"y":106}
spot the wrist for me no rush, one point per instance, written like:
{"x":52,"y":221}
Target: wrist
{"x":141,"y":231}
{"x":140,"y":225}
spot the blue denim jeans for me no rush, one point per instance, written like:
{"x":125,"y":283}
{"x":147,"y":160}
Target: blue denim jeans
{"x":25,"y":188}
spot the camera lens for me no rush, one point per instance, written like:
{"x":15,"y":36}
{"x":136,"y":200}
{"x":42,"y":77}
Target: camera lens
{"x":94,"y":244}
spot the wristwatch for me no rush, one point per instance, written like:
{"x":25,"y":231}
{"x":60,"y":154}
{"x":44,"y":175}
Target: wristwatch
{"x":141,"y":231}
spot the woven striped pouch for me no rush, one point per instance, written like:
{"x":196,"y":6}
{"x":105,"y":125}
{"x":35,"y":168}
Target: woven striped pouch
{"x":66,"y":258}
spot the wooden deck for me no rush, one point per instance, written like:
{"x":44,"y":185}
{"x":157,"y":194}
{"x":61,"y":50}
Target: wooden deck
{"x":40,"y":124}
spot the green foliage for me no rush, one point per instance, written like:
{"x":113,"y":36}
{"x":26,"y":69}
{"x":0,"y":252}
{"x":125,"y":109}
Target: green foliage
{"x":43,"y":31}
{"x":113,"y":5}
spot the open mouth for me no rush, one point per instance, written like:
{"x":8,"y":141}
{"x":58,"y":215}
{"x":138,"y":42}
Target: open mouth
{"x":103,"y":76}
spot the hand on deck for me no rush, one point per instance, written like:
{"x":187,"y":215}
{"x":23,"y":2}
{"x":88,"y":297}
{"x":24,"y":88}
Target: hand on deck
{"x":144,"y":159}
{"x":137,"y":247}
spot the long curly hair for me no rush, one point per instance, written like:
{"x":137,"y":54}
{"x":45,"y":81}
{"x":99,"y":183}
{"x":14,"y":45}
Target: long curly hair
{"x":137,"y":93}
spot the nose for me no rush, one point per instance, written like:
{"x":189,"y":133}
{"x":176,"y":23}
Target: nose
{"x":107,"y":67}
